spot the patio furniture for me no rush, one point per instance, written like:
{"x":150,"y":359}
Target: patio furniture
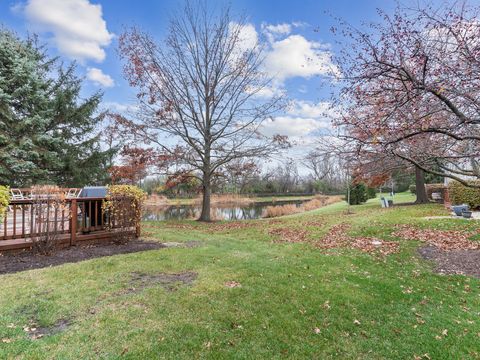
{"x":73,"y":193}
{"x":459,"y":209}
{"x":384,"y":202}
{"x":17,"y":194}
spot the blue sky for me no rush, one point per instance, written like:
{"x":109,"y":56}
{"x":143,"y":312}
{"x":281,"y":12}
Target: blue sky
{"x":87,"y":31}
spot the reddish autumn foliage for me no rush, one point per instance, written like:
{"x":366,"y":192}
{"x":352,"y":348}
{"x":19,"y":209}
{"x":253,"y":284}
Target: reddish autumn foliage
{"x":412,"y":90}
{"x":135,"y":161}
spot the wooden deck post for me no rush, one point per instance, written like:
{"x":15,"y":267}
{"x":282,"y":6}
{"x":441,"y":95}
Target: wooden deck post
{"x":73,"y":222}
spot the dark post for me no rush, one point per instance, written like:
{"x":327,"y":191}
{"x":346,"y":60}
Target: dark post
{"x":73,"y":222}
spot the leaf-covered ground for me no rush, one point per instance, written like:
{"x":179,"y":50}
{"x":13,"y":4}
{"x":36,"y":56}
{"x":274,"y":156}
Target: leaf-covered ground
{"x":301,"y":286}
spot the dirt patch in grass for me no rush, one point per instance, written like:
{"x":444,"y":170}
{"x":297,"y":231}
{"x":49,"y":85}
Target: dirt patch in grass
{"x":443,"y":239}
{"x":28,"y":260}
{"x":36,"y":332}
{"x":170,"y":282}
{"x":464,"y":262}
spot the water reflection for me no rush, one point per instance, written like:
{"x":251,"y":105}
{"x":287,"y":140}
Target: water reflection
{"x":224,"y":212}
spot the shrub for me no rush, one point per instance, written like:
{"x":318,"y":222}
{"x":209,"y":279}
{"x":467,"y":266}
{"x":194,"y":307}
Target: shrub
{"x":4,"y":200}
{"x":47,"y":200}
{"x":461,"y":194}
{"x":358,"y":194}
{"x":124,"y":204}
{"x":413,"y":189}
{"x":371,"y":193}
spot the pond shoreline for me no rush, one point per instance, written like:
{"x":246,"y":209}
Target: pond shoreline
{"x":232,"y":210}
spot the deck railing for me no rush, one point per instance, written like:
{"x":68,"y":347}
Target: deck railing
{"x":75,"y":219}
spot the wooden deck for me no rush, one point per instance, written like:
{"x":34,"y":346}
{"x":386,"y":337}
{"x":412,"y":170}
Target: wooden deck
{"x":76,"y":220}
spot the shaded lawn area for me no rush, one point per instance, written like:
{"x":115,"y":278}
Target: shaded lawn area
{"x":293,"y":300}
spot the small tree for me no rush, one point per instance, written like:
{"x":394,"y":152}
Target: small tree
{"x":48,"y":202}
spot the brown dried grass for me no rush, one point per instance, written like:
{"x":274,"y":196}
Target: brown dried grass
{"x":317,"y":202}
{"x":155,"y":199}
{"x":281,"y":210}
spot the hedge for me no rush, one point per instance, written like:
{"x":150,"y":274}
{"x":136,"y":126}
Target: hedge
{"x":4,"y":199}
{"x":461,"y":194}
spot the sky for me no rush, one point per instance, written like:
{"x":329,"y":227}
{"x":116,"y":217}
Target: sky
{"x":300,"y":46}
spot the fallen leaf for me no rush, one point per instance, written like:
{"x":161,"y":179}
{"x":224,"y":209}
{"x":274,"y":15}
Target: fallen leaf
{"x":232,"y":284}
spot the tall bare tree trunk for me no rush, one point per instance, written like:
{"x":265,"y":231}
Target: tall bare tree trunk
{"x":205,"y":215}
{"x":420,"y":187}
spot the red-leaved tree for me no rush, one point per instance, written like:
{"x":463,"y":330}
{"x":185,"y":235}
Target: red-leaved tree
{"x":412,"y":90}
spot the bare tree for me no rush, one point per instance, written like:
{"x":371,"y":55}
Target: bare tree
{"x":320,"y":164}
{"x":200,"y":93}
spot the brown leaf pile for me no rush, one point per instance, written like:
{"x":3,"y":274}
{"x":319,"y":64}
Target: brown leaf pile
{"x":442,"y":239}
{"x":234,"y":225}
{"x":289,"y":235}
{"x":314,"y":223}
{"x":337,"y":237}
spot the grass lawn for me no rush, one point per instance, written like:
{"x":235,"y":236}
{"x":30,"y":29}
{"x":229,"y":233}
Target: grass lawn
{"x":295,"y":301}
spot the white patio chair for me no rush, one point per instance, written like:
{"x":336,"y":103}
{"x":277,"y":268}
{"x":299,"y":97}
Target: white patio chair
{"x":73,"y":193}
{"x":17,"y":194}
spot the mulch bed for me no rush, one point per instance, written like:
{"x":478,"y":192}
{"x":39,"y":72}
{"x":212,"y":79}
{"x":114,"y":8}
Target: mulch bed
{"x":28,"y":260}
{"x":464,"y":262}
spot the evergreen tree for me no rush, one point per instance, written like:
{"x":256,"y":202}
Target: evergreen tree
{"x":48,"y":134}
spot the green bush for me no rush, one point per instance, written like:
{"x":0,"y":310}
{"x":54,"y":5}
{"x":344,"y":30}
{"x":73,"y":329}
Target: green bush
{"x":371,"y":193}
{"x":4,"y":200}
{"x":413,"y":189}
{"x":359,"y":193}
{"x":461,"y":194}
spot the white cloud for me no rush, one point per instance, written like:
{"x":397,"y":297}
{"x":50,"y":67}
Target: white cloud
{"x":247,"y":37}
{"x":98,"y":77}
{"x":289,"y":56}
{"x":295,"y":127}
{"x":122,"y":108}
{"x":77,"y":26}
{"x":283,"y":29}
{"x":308,"y":109}
{"x":295,"y":56}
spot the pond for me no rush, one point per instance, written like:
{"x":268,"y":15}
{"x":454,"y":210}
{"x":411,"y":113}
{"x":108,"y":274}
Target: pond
{"x":219,"y":212}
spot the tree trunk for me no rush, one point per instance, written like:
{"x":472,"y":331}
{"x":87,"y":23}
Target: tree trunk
{"x":420,"y":187}
{"x":205,"y":215}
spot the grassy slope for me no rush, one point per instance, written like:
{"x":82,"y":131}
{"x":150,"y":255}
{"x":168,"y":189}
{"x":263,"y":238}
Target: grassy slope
{"x":287,"y":291}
